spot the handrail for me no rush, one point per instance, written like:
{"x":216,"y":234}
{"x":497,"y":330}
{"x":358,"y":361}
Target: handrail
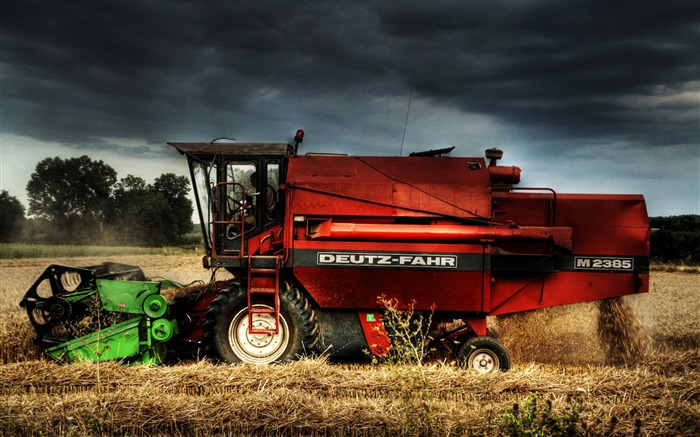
{"x":553,"y":212}
{"x":231,"y":221}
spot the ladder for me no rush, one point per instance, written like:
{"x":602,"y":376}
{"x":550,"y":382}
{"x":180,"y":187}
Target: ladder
{"x":264,"y":280}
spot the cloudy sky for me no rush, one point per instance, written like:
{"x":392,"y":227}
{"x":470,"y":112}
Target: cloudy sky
{"x":584,"y":96}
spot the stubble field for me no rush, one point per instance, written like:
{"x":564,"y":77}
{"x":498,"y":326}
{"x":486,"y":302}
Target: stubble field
{"x":557,"y":354}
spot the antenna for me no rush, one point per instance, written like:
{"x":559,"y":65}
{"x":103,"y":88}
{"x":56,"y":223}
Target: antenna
{"x":408,"y":110}
{"x":222,"y":138}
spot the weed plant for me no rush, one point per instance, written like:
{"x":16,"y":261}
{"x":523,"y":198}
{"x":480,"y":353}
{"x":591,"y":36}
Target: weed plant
{"x":408,"y":331}
{"x":410,"y":341}
{"x":534,"y":418}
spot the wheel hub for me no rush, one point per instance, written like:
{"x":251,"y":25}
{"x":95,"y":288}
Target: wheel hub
{"x":484,"y":361}
{"x":257,"y":347}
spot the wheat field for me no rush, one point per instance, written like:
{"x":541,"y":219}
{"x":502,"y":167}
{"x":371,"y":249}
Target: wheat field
{"x":557,"y":355}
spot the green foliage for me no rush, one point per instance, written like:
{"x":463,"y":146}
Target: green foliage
{"x":11,"y":217}
{"x":408,"y":331}
{"x":152,"y":215}
{"x":534,"y":419}
{"x":192,"y":240}
{"x":130,"y":193}
{"x":676,"y":223}
{"x":79,"y":201}
{"x":173,"y":190}
{"x":72,"y":188}
{"x":73,"y":195}
{"x":410,"y":339}
{"x":676,"y":238}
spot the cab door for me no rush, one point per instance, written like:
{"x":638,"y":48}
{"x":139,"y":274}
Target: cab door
{"x":248,"y":198}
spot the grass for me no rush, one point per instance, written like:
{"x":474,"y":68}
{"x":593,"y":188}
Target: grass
{"x":17,"y":250}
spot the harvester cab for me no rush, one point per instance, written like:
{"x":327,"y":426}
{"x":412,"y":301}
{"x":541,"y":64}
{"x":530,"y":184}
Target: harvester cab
{"x":239,"y":193}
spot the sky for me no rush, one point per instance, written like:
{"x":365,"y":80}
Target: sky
{"x":584,"y":96}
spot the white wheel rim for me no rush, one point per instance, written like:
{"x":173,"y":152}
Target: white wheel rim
{"x":258,"y":348}
{"x":484,"y":361}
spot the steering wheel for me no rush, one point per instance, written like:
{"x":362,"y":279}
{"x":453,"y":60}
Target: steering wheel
{"x":238,"y":205}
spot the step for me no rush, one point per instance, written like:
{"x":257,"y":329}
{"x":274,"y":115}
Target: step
{"x":262,"y":290}
{"x":262,"y":311}
{"x":262,"y":331}
{"x":263,"y":270}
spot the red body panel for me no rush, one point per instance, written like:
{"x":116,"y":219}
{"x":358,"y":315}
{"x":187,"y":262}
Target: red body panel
{"x":510,"y":295}
{"x":373,"y":328}
{"x":610,"y":230}
{"x":388,"y":187}
{"x":531,"y":250}
{"x":358,"y":278}
{"x":612,"y":224}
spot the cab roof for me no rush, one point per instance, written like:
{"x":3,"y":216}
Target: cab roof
{"x":245,"y":149}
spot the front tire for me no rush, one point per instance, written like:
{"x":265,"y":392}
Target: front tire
{"x":485,"y":355}
{"x":227,"y":338}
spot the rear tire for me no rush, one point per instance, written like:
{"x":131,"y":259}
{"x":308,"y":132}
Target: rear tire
{"x":226,"y":334}
{"x":485,"y":355}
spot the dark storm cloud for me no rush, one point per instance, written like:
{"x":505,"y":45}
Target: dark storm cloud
{"x":563,"y":65}
{"x":75,"y":71}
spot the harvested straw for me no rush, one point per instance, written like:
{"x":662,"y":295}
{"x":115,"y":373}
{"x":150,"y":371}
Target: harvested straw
{"x":312,"y":397}
{"x":622,"y":337}
{"x":556,"y":355}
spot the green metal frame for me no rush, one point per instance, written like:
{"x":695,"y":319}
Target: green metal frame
{"x":140,"y":339}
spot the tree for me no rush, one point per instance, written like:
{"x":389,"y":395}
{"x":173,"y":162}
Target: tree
{"x":152,"y":215}
{"x":73,"y":194}
{"x":664,"y":246}
{"x":79,"y":200}
{"x":676,"y":238}
{"x":173,"y":190}
{"x":11,"y":217}
{"x":130,"y":194}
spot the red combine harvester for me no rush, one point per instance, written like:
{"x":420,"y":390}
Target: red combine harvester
{"x":312,"y":241}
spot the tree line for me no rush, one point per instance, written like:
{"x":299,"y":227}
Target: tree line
{"x":676,"y":238}
{"x":81,"y":201}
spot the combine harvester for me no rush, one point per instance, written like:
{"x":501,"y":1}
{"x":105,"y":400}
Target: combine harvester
{"x":313,"y":240}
